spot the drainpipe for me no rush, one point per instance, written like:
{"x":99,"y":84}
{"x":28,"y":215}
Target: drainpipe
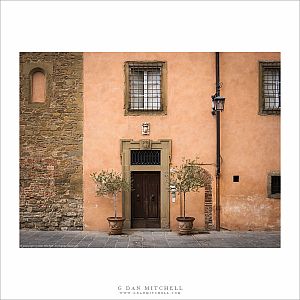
{"x":218,"y":171}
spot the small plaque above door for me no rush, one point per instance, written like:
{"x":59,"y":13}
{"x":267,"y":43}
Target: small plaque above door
{"x":145,"y":144}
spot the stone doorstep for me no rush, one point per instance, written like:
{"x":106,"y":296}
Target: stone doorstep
{"x":147,"y":230}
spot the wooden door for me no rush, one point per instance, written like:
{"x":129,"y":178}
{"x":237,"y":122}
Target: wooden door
{"x":145,"y":200}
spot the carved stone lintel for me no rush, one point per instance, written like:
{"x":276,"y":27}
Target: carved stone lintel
{"x":145,"y":144}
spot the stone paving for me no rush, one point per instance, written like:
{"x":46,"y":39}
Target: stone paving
{"x":149,"y":239}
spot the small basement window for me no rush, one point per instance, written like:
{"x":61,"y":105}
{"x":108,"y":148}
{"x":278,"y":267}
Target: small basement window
{"x":236,"y":178}
{"x":274,"y":185}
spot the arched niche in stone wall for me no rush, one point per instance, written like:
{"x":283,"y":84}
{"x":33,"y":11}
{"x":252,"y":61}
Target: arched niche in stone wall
{"x":38,"y":85}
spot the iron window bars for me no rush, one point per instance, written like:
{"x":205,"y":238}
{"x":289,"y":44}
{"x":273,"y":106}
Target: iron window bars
{"x":145,"y":86}
{"x":270,"y":102}
{"x":145,"y":157}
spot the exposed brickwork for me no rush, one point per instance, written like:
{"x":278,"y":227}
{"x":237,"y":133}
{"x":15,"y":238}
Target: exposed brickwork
{"x":51,"y":136}
{"x":208,"y":209}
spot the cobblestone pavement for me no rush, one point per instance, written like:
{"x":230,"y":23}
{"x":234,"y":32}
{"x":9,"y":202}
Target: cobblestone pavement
{"x":149,"y":239}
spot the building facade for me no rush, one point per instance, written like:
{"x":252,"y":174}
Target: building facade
{"x":140,"y":114}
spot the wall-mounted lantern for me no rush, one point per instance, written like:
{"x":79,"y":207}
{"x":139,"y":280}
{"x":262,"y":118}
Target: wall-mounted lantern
{"x":145,"y":128}
{"x":217,"y":103}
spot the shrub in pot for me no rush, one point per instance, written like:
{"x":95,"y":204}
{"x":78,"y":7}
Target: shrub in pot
{"x":188,"y":177}
{"x":109,"y":184}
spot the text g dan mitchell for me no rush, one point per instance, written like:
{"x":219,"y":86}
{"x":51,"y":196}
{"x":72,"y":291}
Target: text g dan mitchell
{"x":150,"y":288}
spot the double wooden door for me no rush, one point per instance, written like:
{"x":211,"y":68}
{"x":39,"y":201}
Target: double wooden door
{"x":145,"y":200}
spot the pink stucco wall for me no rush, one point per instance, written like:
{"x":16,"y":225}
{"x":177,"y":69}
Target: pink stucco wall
{"x":250,"y":143}
{"x":250,"y":146}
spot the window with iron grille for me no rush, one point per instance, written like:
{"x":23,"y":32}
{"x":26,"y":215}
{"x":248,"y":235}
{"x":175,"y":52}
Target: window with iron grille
{"x":145,"y":157}
{"x":274,"y":185}
{"x":270,"y":100}
{"x":145,"y":87}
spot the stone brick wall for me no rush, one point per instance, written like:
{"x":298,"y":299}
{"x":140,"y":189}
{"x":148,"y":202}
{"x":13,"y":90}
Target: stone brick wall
{"x":208,"y":207}
{"x":51,"y":133}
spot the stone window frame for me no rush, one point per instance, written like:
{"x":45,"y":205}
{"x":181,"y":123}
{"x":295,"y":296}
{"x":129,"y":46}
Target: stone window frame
{"x":163,"y":110}
{"x":28,"y":70}
{"x":262,"y":65}
{"x":269,"y":185}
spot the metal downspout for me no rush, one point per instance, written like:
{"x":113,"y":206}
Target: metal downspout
{"x":218,"y":170}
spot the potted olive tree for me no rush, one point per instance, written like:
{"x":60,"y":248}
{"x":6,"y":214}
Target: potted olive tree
{"x":109,"y":184}
{"x":188,"y":177}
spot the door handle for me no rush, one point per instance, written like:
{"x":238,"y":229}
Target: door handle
{"x":138,"y":197}
{"x":152,"y":197}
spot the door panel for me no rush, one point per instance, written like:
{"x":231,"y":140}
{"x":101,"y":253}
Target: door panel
{"x":145,"y":200}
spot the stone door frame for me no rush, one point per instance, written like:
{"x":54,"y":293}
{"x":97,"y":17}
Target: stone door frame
{"x":165,"y":147}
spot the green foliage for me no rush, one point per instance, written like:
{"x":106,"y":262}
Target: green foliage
{"x":109,"y":183}
{"x":188,"y":177}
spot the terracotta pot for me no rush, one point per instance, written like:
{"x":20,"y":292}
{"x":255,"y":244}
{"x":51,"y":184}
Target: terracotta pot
{"x":185,"y":224}
{"x":115,"y":224}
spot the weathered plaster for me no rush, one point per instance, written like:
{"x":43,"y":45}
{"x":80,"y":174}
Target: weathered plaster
{"x":250,"y":143}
